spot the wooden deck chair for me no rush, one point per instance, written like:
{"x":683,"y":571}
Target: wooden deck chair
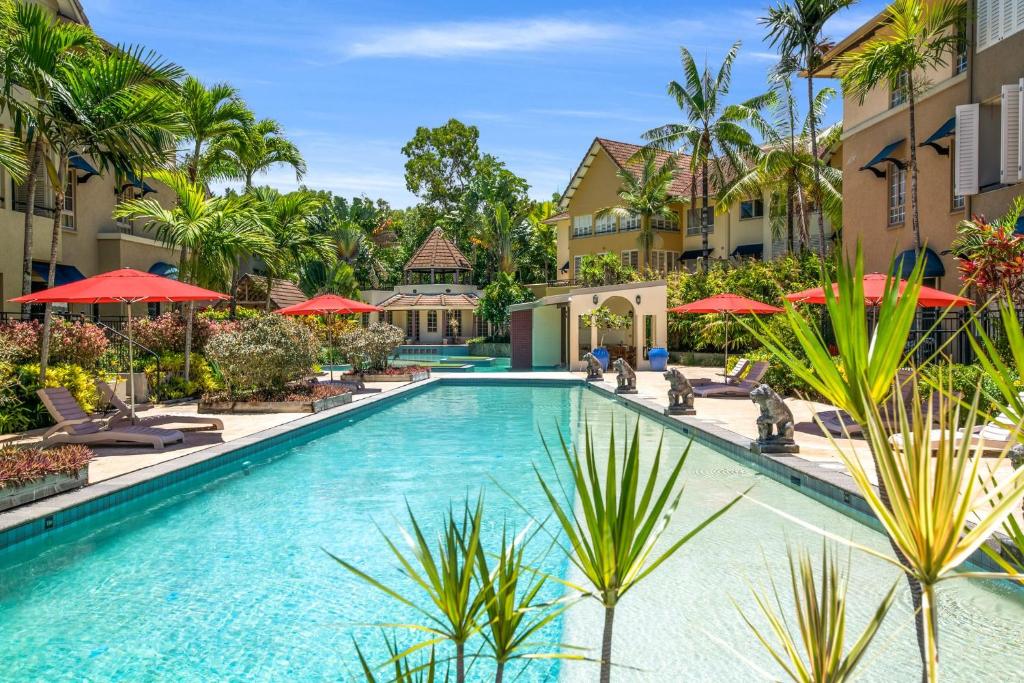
{"x":741,"y":387}
{"x":122,"y":413}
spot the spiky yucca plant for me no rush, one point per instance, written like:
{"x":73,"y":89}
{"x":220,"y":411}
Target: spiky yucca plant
{"x":403,"y":669}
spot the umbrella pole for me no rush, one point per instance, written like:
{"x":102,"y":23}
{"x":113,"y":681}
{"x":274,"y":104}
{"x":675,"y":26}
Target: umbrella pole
{"x":725,"y":320}
{"x":330,"y":342}
{"x":131,"y":367}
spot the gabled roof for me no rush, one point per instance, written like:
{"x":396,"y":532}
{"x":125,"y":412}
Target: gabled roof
{"x":620,"y":153}
{"x":282,"y":292}
{"x":437,"y":253}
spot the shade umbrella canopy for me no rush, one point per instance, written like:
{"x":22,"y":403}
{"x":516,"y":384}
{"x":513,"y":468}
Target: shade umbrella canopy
{"x":328,"y":303}
{"x":727,"y":303}
{"x":874,"y":290}
{"x":126,"y":286}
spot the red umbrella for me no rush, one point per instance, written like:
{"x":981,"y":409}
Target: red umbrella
{"x":727,"y":303}
{"x":125,"y":286}
{"x":874,"y":290}
{"x":328,"y":304}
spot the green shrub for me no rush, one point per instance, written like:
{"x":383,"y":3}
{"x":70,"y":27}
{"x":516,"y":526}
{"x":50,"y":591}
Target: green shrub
{"x":222,"y":314}
{"x":968,"y":381}
{"x":263,"y":354}
{"x":370,"y":348}
{"x":170,"y":383}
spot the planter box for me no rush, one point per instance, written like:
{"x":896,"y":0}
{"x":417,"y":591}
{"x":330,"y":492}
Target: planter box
{"x":250,"y":407}
{"x":493,"y":349}
{"x":49,"y":486}
{"x":405,"y":377}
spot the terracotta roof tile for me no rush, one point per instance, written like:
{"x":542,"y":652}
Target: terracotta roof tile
{"x":437,"y":253}
{"x":621,"y":152}
{"x":282,"y":292}
{"x":564,"y":216}
{"x":406,"y":301}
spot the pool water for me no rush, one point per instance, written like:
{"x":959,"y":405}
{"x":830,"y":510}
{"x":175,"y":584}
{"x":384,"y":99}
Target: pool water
{"x":224,"y":577}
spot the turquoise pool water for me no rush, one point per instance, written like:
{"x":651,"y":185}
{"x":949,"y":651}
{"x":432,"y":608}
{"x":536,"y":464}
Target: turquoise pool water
{"x":223,"y":578}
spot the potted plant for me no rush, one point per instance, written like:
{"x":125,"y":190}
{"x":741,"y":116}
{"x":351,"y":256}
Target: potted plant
{"x":605,"y":320}
{"x":658,"y":357}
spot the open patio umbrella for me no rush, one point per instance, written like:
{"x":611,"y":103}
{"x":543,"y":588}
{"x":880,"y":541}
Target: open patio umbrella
{"x":874,"y":290}
{"x":327,"y":305}
{"x":727,"y":303}
{"x":123,"y":286}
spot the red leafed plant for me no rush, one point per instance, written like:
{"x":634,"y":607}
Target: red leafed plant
{"x":991,"y":255}
{"x":20,"y":466}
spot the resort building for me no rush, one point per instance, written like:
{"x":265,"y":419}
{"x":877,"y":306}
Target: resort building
{"x":968,"y":137}
{"x":437,"y":303}
{"x":91,"y":241}
{"x":743,"y":231}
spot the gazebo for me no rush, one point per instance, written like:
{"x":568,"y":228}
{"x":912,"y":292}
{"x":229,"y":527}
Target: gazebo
{"x":437,"y":257}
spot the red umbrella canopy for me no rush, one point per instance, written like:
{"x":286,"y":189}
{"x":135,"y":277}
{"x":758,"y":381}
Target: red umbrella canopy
{"x":328,"y":303}
{"x":874,"y":290}
{"x":727,"y":303}
{"x":121,"y":286}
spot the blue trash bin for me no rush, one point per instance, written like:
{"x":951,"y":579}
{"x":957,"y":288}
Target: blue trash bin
{"x":658,"y":356}
{"x":601,"y":354}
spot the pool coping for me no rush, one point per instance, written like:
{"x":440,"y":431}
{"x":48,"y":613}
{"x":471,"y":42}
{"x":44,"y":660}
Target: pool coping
{"x":831,"y":487}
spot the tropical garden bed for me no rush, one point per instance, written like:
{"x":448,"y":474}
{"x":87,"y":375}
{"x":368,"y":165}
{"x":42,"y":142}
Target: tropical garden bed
{"x":300,"y":398}
{"x":28,"y":474}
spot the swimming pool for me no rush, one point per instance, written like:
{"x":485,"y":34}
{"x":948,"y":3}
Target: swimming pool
{"x":223,"y":577}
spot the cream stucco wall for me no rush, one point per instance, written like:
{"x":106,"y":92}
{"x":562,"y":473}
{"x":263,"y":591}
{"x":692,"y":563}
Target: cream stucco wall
{"x":653,"y":302}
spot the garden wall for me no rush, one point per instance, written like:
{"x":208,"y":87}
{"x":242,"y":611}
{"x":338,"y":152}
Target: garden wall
{"x":491,"y":349}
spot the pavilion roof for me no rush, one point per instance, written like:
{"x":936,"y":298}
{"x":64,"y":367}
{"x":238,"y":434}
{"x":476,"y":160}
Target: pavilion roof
{"x":413,"y":301}
{"x":438,"y":254}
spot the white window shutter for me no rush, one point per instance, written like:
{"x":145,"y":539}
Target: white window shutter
{"x":966,"y":170}
{"x":984,"y":23}
{"x":1009,"y":134}
{"x":1006,"y":18}
{"x":1018,"y":24}
{"x":1020,"y":127}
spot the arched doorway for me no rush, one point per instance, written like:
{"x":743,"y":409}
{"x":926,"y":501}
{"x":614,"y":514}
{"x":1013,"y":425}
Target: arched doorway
{"x":620,"y":341}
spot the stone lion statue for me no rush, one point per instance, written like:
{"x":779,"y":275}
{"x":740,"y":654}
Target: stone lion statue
{"x":775,"y":423}
{"x":680,"y":391}
{"x":594,"y":371}
{"x":625,"y":376}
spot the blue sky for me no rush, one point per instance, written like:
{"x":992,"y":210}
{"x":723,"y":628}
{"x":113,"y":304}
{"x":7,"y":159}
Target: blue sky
{"x":351,"y":81}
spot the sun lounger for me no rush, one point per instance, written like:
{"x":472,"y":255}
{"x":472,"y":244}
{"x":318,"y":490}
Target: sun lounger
{"x":737,"y":371}
{"x":839,"y":422}
{"x":74,"y":425}
{"x":994,"y":436}
{"x":122,"y":413}
{"x":741,"y":387}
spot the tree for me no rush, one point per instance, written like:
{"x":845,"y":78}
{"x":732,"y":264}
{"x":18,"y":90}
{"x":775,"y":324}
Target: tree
{"x":916,"y":39}
{"x":604,"y":269}
{"x":440,"y":162}
{"x":38,"y":49}
{"x":210,"y":113}
{"x":713,"y":131}
{"x":538,"y":260}
{"x":787,"y":170}
{"x":362,"y":232}
{"x":646,"y":196}
{"x":285,"y":218}
{"x":496,"y":235}
{"x":210,"y":233}
{"x":503,"y":292}
{"x":796,"y":27}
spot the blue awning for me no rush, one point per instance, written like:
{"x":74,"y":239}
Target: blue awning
{"x":883,"y":156}
{"x":77,"y":161}
{"x":693,"y":254}
{"x":164,"y":270}
{"x":134,"y":181}
{"x":565,"y":267}
{"x":906,"y":261}
{"x":65,"y":274}
{"x":754,"y":250}
{"x":944,"y":131}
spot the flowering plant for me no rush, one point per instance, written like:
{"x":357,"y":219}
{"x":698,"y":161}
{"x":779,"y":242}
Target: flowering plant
{"x":991,"y":255}
{"x":20,"y":466}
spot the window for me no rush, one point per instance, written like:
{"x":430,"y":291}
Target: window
{"x":577,"y":261}
{"x":454,"y":323}
{"x":898,"y":95}
{"x":957,"y":201}
{"x":960,"y":57}
{"x":672,"y":258}
{"x":581,"y":225}
{"x":126,"y":193}
{"x":365,"y":319}
{"x":630,"y":222}
{"x":897,"y":194}
{"x":153,"y":309}
{"x":667,"y":223}
{"x":752,"y":208}
{"x":43,"y":203}
{"x":409,"y":316}
{"x":389,"y":317}
{"x":693,"y":220}
{"x":67,"y":214}
{"x":631,"y":258}
{"x":605,"y":224}
{"x":431,"y":321}
{"x":481,"y":326}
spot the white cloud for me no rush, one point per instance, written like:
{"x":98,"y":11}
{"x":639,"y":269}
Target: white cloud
{"x":455,"y":39}
{"x":761,"y":56}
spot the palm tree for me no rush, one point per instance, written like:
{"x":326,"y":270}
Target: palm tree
{"x":496,"y":235}
{"x":796,"y":27}
{"x":917,"y":39}
{"x":12,"y":156}
{"x":38,"y":49}
{"x":114,"y":105}
{"x":713,"y":131}
{"x":248,"y":149}
{"x":211,"y":231}
{"x":286,"y":220}
{"x":210,"y":113}
{"x":646,"y":195}
{"x":786,"y":169}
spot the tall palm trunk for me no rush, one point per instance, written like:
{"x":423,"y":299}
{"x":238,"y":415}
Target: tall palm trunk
{"x":789,"y":216}
{"x":236,"y":276}
{"x":812,"y":119}
{"x":499,"y":673}
{"x":705,"y":199}
{"x":460,"y":662}
{"x":51,"y":277}
{"x":606,"y":644}
{"x":30,"y":204}
{"x":185,"y":275}
{"x":646,"y":239}
{"x":914,"y":217}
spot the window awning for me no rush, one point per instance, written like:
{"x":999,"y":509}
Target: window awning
{"x":565,"y":267}
{"x":754,"y":250}
{"x":134,"y":181}
{"x":906,"y":261}
{"x":692,"y":254}
{"x":65,"y":274}
{"x":77,"y":161}
{"x":944,"y":131}
{"x":164,"y":270}
{"x":882,"y":157}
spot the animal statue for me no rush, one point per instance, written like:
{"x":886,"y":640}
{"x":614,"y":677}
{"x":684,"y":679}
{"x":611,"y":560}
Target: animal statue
{"x":625,"y":376}
{"x":594,"y":371}
{"x":775,"y":423}
{"x":680,"y":391}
